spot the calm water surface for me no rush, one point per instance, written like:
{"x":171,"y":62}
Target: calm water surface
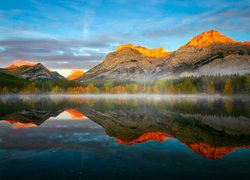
{"x":124,"y":137}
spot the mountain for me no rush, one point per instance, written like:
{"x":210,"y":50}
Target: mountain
{"x":76,"y":73}
{"x":128,"y":62}
{"x":36,"y":72}
{"x":209,"y":53}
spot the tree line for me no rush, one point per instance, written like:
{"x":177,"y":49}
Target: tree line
{"x":219,"y":84}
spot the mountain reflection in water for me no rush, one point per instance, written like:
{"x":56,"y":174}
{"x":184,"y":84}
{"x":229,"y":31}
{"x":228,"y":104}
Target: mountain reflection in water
{"x":210,"y":126}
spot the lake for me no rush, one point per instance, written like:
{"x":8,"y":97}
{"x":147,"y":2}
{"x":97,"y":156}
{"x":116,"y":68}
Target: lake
{"x":124,"y":137}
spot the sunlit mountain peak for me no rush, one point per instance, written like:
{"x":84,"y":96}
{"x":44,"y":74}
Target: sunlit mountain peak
{"x":76,"y":73}
{"x":19,"y":63}
{"x":208,"y":38}
{"x":12,"y":66}
{"x":154,"y":53}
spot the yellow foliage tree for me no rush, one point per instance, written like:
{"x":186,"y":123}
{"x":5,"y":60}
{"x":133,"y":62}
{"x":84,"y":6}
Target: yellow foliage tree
{"x":173,"y":89}
{"x":228,"y":89}
{"x":56,"y":90}
{"x":210,"y":87}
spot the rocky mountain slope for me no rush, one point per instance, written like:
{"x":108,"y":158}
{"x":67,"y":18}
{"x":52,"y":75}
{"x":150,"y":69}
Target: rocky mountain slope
{"x":209,"y":53}
{"x":36,"y":72}
{"x":128,"y":62}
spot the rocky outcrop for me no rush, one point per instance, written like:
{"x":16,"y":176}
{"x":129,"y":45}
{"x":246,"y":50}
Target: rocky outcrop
{"x":36,"y":72}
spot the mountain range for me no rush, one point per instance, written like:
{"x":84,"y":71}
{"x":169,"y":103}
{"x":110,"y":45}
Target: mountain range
{"x":209,"y":53}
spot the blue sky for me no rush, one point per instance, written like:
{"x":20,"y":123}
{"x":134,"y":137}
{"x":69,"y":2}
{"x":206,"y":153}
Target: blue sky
{"x":77,"y":34}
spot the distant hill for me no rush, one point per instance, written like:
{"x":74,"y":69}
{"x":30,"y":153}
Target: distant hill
{"x":36,"y":72}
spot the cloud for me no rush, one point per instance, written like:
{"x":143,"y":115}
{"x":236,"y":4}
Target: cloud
{"x":62,"y":54}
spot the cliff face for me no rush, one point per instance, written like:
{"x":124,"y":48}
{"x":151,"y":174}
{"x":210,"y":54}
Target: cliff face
{"x":209,"y":53}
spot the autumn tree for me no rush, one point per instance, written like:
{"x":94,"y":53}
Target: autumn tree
{"x":228,"y":89}
{"x":173,"y":89}
{"x":91,"y":88}
{"x":5,"y":90}
{"x":159,"y":86}
{"x":210,"y":87}
{"x":107,"y":87}
{"x":132,"y":88}
{"x":31,"y":89}
{"x":56,"y":90}
{"x":187,"y":86}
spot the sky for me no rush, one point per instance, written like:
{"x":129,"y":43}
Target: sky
{"x":77,"y":34}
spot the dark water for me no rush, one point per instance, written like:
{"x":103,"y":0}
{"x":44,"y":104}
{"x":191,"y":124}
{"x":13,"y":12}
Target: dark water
{"x":138,"y":137}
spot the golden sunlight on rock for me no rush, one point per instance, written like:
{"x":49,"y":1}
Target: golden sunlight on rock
{"x":23,"y":63}
{"x":75,"y":74}
{"x":213,"y":153}
{"x":246,"y":43}
{"x":12,"y":66}
{"x":19,"y":63}
{"x":208,"y":38}
{"x":156,"y":136}
{"x":75,"y":114}
{"x":154,"y":53}
{"x":18,"y":125}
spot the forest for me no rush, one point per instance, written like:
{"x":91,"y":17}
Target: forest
{"x":219,"y":84}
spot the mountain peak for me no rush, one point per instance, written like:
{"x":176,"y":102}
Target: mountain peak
{"x":19,"y":63}
{"x":76,"y":73}
{"x":12,"y":66}
{"x":208,"y":38}
{"x":154,"y":53}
